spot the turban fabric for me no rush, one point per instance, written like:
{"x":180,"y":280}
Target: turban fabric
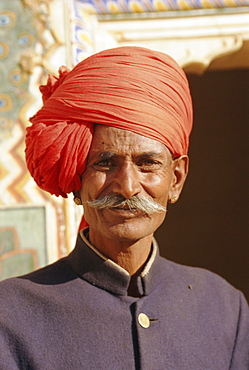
{"x":130,"y":88}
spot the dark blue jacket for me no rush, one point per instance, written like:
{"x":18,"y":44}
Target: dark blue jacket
{"x":76,"y":314}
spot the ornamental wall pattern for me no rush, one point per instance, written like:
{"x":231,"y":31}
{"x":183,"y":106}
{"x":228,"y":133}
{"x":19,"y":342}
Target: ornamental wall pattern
{"x":27,"y":214}
{"x":145,"y":6}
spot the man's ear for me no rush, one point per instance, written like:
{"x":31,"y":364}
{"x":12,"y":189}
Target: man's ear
{"x":180,"y":170}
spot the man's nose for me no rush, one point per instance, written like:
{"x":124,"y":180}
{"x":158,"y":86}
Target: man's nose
{"x":126,"y":181}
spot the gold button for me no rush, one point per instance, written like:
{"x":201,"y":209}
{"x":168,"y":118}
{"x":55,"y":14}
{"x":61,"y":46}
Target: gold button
{"x":143,"y":320}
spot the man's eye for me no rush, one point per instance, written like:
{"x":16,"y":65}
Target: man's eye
{"x":104,"y":164}
{"x":149,"y":164}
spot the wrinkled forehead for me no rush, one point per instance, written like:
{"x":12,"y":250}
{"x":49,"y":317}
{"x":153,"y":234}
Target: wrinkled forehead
{"x":116,"y":140}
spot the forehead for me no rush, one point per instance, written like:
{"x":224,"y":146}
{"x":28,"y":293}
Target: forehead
{"x":120,"y":141}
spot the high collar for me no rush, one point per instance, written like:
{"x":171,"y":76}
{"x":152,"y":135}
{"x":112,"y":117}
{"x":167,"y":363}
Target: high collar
{"x":102,"y":272}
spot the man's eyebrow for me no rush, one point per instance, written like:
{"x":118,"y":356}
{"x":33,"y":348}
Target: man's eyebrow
{"x":107,"y":155}
{"x":145,"y":154}
{"x":151,"y":154}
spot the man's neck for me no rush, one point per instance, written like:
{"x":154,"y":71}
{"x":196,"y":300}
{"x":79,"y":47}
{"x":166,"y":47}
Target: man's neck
{"x":130,"y":255}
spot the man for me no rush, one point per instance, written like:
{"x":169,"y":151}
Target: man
{"x":115,"y":132}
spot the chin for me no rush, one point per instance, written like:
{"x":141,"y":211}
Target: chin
{"x":129,"y":232}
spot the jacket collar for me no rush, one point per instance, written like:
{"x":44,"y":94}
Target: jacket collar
{"x":94,"y":267}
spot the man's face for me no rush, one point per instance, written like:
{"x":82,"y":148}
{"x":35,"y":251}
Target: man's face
{"x":124,"y":163}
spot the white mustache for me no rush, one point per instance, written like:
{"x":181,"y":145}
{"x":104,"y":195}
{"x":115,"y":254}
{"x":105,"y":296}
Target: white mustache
{"x":137,"y":202}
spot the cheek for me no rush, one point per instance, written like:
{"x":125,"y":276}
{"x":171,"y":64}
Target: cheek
{"x":92,"y":185}
{"x":157,"y":186}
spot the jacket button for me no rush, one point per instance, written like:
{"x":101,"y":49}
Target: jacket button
{"x":143,"y":320}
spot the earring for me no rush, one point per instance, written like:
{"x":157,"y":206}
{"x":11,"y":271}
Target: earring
{"x":77,"y":201}
{"x":173,"y":199}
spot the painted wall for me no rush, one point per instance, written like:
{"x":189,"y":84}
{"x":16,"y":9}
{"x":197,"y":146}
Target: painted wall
{"x":32,"y":223}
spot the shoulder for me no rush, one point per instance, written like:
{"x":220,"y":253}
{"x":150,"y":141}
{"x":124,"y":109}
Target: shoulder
{"x":15,"y":290}
{"x":202,"y":287}
{"x":195,"y":275}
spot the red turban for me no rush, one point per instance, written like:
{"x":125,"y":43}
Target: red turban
{"x":131,"y":88}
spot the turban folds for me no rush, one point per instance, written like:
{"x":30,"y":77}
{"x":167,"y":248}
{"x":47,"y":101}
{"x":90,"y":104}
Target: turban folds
{"x":130,"y":88}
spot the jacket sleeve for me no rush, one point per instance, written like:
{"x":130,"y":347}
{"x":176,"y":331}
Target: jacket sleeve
{"x":240,"y":357}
